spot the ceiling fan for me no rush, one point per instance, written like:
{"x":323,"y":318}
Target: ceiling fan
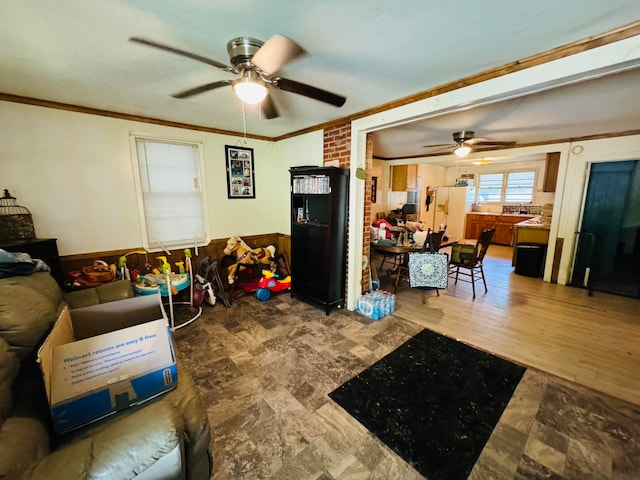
{"x":255,"y":64}
{"x":465,"y":142}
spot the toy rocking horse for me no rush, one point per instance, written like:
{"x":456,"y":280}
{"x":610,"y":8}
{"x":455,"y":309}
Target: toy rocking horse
{"x":246,"y":255}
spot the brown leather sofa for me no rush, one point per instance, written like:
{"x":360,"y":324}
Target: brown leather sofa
{"x":167,"y":437}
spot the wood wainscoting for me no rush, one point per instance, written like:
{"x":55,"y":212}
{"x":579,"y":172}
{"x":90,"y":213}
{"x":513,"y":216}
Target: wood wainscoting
{"x":70,"y":263}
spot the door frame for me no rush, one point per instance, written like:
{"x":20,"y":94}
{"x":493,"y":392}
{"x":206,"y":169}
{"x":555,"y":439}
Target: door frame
{"x":573,"y":199}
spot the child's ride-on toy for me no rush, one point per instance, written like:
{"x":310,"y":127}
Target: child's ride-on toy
{"x":270,"y":283}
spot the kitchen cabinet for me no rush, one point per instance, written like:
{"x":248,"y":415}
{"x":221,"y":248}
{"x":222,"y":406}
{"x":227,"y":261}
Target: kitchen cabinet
{"x":506,"y":228}
{"x":404,"y":177}
{"x":531,"y":233}
{"x":477,"y":222}
{"x":551,"y":172}
{"x":319,"y":204}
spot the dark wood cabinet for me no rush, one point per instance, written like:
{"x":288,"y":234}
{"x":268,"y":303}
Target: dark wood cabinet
{"x":319,"y":207}
{"x":45,"y":249}
{"x":551,"y":172}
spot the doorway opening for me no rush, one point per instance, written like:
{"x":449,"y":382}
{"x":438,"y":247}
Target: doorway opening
{"x":608,"y":253}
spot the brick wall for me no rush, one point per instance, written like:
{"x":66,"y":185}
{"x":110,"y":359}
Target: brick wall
{"x":366,"y":228}
{"x":337,"y":146}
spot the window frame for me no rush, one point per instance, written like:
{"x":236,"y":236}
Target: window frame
{"x":505,"y":183}
{"x":134,"y":137}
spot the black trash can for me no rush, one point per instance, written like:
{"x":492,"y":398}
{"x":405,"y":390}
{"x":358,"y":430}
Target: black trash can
{"x":530,"y":259}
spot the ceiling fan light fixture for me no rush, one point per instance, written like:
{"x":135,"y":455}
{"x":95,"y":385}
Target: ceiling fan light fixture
{"x":462,"y":150}
{"x":250,"y":88}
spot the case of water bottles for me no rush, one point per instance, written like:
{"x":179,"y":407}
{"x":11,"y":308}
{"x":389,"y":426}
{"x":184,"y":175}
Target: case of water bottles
{"x":376,"y":304}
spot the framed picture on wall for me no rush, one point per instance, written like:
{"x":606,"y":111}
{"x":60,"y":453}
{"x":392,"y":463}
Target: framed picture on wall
{"x":240,"y":175}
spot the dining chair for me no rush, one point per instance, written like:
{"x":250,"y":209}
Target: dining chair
{"x":469,"y":258}
{"x":432,"y":244}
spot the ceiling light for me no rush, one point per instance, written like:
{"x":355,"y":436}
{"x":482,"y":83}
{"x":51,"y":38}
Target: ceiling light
{"x":250,"y":88}
{"x":462,"y":150}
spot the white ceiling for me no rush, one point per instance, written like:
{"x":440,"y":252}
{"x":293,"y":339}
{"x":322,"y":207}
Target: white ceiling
{"x":601,"y":106}
{"x":371,"y":51}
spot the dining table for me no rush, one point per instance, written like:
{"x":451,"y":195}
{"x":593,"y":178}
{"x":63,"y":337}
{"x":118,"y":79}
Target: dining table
{"x":397,"y":253}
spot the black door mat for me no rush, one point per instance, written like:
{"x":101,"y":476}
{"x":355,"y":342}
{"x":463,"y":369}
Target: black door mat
{"x":434,"y":401}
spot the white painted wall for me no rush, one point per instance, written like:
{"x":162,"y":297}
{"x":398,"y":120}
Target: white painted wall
{"x":303,"y":150}
{"x":74,"y":173}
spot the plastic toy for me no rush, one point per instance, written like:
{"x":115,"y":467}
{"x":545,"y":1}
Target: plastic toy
{"x":270,"y":283}
{"x":203,"y":291}
{"x":247,"y":256}
{"x":122,"y":263}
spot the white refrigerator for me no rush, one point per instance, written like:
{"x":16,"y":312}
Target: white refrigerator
{"x":450,"y":207}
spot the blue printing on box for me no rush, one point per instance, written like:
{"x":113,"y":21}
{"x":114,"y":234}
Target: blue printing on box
{"x":93,"y":406}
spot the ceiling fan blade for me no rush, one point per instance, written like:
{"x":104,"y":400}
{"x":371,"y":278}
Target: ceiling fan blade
{"x":488,"y":142}
{"x":448,"y":145}
{"x":268,"y":108}
{"x":308,"y":91}
{"x":202,"y":89}
{"x":276,"y":51}
{"x":199,"y":58}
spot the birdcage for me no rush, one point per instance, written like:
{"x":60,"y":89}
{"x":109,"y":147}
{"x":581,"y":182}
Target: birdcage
{"x":16,"y":222}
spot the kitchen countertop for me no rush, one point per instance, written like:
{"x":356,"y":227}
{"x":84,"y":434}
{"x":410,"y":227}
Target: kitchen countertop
{"x":523,"y":215}
{"x":535,"y":222}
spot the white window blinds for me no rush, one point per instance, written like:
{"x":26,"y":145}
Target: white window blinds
{"x":519,"y":187}
{"x":509,"y":187}
{"x":171,"y":193}
{"x":490,"y":187}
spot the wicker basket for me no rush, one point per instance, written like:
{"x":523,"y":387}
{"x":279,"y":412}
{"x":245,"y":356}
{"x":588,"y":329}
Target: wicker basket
{"x":16,"y":222}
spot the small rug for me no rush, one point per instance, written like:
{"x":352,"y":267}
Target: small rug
{"x":434,"y":401}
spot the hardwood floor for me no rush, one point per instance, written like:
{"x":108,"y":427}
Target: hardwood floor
{"x":593,"y":341}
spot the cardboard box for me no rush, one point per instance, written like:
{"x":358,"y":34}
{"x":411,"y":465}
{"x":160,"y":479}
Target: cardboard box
{"x":128,"y":362}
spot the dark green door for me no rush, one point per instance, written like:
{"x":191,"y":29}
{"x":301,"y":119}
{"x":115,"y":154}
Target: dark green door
{"x":607,"y":255}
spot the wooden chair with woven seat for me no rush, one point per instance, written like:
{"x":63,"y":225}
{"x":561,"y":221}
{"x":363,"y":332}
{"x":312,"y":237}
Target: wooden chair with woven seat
{"x":432,"y":244}
{"x":469,"y":258}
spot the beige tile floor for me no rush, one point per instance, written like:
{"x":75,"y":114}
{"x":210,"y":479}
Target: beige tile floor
{"x":265,"y":368}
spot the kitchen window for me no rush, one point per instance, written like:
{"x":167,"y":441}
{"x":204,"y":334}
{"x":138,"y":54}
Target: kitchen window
{"x":171,"y":199}
{"x":506,"y":187}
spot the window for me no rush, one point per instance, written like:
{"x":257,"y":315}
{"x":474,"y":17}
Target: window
{"x":519,"y":187}
{"x":490,"y":187}
{"x":509,"y":187}
{"x":172,"y":201}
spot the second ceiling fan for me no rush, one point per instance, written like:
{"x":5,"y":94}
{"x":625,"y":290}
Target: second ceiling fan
{"x":255,"y":64}
{"x":466,"y":141}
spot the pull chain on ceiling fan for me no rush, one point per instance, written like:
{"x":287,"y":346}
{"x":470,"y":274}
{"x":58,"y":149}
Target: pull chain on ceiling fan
{"x":255,"y":64}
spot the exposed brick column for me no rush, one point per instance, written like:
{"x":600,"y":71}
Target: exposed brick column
{"x":337,"y":146}
{"x":366,"y":228}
